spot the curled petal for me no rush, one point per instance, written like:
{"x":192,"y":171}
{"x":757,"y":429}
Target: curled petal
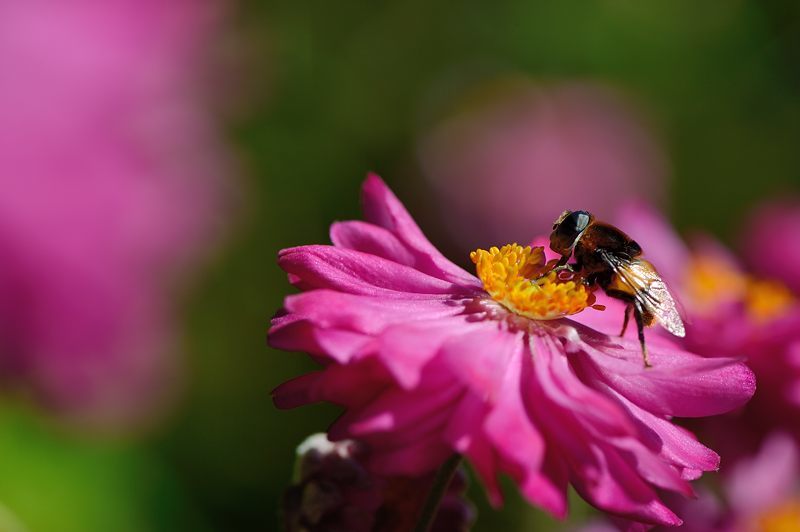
{"x":355,"y":272}
{"x":372,"y":239}
{"x":381,"y":207}
{"x":679,"y":383}
{"x":365,"y":314}
{"x":674,"y":444}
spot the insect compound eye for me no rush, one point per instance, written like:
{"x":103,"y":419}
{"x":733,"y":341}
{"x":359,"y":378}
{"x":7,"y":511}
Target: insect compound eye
{"x":567,"y":230}
{"x":573,"y":223}
{"x":581,"y":220}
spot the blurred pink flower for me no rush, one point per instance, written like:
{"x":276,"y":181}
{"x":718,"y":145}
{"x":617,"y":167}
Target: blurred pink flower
{"x":425,"y":363}
{"x":772,"y":241}
{"x":578,"y":145}
{"x":111,"y":174}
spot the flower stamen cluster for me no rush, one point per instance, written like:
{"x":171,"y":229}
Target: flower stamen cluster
{"x":517,"y":277}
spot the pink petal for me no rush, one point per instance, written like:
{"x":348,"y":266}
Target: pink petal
{"x":561,"y":385}
{"x":652,"y":467}
{"x":382,"y":208}
{"x":416,"y":459}
{"x":296,"y":392}
{"x":407,"y":348}
{"x":526,"y":449}
{"x":396,"y":410}
{"x":353,"y":386}
{"x":679,"y":383}
{"x":481,"y":357}
{"x":675,"y":444}
{"x":614,"y":486}
{"x":370,"y":315}
{"x":768,"y":479}
{"x":299,"y":334}
{"x":483,"y":458}
{"x":372,"y":239}
{"x":359,"y":273}
{"x":771,"y":241}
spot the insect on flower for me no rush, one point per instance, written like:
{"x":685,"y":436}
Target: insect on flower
{"x":607,"y":257}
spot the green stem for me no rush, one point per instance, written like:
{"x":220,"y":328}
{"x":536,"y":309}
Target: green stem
{"x":435,"y":496}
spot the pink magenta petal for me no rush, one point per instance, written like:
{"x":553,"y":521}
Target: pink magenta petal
{"x":483,"y":458}
{"x":366,"y":314}
{"x":771,"y":241}
{"x":508,"y":416}
{"x":372,"y":239}
{"x":416,"y":459}
{"x":675,"y":444}
{"x":296,"y":392}
{"x":300,"y":334}
{"x":614,"y":486}
{"x":406,"y":349}
{"x":352,"y":386}
{"x":561,"y":385}
{"x":526,"y":450}
{"x":381,"y":207}
{"x":679,"y":383}
{"x":355,"y":272}
{"x":653,"y":468}
{"x":766,"y":480}
{"x":480,"y":369}
{"x":462,"y":428}
{"x":396,"y":410}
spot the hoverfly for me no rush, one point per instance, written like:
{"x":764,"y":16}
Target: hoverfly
{"x":607,"y":257}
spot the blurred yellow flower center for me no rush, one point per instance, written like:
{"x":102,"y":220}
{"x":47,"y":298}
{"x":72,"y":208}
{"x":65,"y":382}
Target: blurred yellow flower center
{"x":766,"y":300}
{"x":711,"y":282}
{"x":785,"y":518}
{"x":516,"y":277}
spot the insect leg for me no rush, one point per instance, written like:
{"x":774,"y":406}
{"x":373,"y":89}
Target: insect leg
{"x":628,"y":309}
{"x":637,"y":314}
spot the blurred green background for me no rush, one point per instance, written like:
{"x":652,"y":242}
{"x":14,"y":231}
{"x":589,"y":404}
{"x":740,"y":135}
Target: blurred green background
{"x":319,"y":93}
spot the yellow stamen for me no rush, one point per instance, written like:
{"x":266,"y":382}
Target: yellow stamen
{"x":712,"y":282}
{"x":784,"y":518}
{"x":517,"y":278}
{"x":766,"y":300}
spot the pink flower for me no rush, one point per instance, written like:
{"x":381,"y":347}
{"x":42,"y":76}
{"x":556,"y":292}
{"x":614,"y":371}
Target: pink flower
{"x":516,"y":139}
{"x":111,"y":178}
{"x":425,"y":362}
{"x":772,"y":241}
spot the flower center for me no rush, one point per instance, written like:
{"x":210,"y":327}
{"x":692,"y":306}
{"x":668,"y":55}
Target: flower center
{"x":784,"y":518}
{"x":517,"y":277}
{"x":766,"y":300}
{"x":711,"y":282}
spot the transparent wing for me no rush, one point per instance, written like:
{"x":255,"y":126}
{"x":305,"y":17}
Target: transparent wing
{"x":649,"y":290}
